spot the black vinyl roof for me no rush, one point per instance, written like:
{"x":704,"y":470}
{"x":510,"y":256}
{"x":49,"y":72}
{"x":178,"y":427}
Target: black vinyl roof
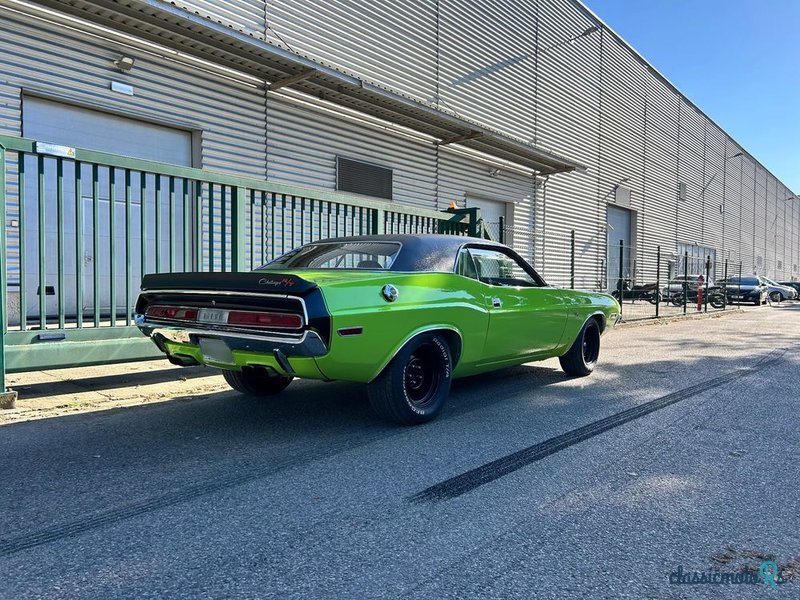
{"x":421,"y":252}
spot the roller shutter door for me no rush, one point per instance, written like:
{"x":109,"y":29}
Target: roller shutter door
{"x":65,"y":124}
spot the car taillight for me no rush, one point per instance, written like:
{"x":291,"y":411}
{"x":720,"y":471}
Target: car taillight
{"x":265,"y":319}
{"x":172,"y":312}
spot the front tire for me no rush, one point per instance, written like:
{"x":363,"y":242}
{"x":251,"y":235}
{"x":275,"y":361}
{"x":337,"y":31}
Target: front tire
{"x":581,"y":358}
{"x":256,"y":382}
{"x":414,"y":386}
{"x":776,"y":297}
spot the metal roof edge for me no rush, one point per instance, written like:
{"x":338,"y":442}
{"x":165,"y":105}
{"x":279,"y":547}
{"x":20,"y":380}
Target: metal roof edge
{"x":238,"y":44}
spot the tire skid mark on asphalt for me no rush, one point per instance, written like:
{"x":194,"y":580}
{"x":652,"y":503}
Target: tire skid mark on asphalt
{"x":17,"y":543}
{"x":491,"y":471}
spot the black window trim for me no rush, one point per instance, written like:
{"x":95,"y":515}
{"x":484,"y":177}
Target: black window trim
{"x":538,"y":279}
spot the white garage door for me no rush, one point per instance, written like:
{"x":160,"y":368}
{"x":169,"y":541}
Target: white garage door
{"x":619,"y":230}
{"x":49,"y":121}
{"x":491,"y":211}
{"x":54,"y":122}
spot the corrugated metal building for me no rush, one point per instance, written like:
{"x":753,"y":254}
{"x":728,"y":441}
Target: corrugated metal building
{"x":545,"y":78}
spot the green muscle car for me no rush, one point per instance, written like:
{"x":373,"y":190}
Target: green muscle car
{"x":404,"y":314}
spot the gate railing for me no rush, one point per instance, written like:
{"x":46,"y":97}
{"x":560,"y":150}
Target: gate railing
{"x":82,"y":227}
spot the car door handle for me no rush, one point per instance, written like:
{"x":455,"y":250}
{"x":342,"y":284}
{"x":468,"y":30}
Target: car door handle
{"x":497,"y":303}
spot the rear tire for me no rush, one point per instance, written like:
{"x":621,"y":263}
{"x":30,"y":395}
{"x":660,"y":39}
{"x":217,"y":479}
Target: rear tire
{"x":581,"y":358}
{"x":414,"y":386}
{"x":776,"y":297}
{"x":256,"y":382}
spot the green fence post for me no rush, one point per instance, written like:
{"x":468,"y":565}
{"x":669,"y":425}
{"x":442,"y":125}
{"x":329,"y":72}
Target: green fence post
{"x":7,"y":398}
{"x":378,"y":221}
{"x":474,"y":221}
{"x":501,"y":225}
{"x":658,"y":278}
{"x":708,"y":284}
{"x":238,"y":230}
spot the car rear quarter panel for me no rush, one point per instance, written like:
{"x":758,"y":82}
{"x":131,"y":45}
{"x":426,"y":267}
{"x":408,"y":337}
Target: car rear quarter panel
{"x":426,"y":301}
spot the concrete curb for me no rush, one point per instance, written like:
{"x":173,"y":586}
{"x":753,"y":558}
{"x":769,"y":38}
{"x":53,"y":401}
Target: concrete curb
{"x":689,"y":316}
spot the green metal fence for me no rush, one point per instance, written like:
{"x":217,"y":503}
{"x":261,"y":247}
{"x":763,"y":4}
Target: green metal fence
{"x":82,"y":227}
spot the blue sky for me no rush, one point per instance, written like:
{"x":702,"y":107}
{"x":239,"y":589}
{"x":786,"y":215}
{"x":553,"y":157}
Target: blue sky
{"x":738,"y":60}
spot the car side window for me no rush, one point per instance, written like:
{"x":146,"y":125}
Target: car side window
{"x":465,"y":265}
{"x":494,"y":267}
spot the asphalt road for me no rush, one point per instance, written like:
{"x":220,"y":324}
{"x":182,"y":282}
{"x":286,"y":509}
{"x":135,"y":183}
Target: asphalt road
{"x":681,"y":450}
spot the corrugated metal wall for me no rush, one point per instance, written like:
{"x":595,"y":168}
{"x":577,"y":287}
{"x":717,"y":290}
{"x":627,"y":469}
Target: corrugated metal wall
{"x":748,"y":250}
{"x":42,"y":59}
{"x":568,"y":106}
{"x":536,"y":70}
{"x":487,"y":63}
{"x":304,"y":144}
{"x":714,"y":168}
{"x":661,"y":174}
{"x":392,"y":43}
{"x":61,"y":63}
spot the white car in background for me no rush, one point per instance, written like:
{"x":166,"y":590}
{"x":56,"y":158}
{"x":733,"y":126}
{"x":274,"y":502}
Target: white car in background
{"x":778,"y":292}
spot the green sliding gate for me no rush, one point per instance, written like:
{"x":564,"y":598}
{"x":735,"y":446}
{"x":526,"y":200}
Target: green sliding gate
{"x":82,"y":227}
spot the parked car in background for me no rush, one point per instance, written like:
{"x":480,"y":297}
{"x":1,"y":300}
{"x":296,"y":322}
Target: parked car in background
{"x":404,"y":314}
{"x":778,"y":292}
{"x":747,"y":289}
{"x":676,"y":284}
{"x":795,"y":285}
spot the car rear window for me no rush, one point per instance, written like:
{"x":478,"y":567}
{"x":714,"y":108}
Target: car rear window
{"x":338,"y":255}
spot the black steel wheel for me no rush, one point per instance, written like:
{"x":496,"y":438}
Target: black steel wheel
{"x":414,"y":386}
{"x":582,"y":356}
{"x":256,"y":382}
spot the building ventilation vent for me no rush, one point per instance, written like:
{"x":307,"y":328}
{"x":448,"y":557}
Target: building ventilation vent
{"x":363,"y":178}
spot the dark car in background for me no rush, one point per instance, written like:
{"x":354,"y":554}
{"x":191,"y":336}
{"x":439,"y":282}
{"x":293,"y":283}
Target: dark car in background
{"x":748,"y":289}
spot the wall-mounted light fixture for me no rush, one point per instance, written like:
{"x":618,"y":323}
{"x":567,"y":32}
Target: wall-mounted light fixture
{"x":124,"y":63}
{"x":621,"y":181}
{"x":494,"y":172}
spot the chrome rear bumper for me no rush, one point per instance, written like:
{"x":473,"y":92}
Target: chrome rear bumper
{"x":306,"y":344}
